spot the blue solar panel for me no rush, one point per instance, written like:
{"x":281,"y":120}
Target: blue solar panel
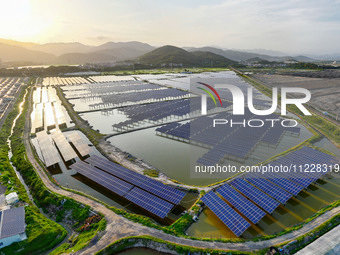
{"x":246,"y":207}
{"x":263,"y":200}
{"x":155,"y":187}
{"x":303,"y":180}
{"x":294,"y":182}
{"x":235,"y":222}
{"x":269,"y":188}
{"x":149,"y":202}
{"x":284,"y":183}
{"x":106,"y":180}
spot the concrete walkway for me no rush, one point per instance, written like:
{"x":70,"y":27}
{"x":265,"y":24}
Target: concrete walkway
{"x":329,"y":244}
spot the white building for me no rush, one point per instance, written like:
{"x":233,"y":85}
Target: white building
{"x":12,"y":226}
{"x":12,"y":198}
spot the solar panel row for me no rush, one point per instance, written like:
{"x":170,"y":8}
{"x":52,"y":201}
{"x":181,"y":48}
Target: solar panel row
{"x":106,"y":180}
{"x":263,"y":200}
{"x":48,"y":151}
{"x":294,"y":182}
{"x":235,"y":222}
{"x":149,"y":202}
{"x":63,"y":145}
{"x":79,"y":143}
{"x":284,"y":183}
{"x":266,"y":186}
{"x":155,"y":187}
{"x":138,"y":196}
{"x":246,"y":207}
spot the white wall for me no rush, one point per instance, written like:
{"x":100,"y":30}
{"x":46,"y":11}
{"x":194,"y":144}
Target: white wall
{"x":11,"y":239}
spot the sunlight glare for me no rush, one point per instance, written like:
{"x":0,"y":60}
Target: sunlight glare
{"x":19,"y":21}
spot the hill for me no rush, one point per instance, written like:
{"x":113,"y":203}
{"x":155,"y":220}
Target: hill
{"x":171,"y":55}
{"x":17,"y":43}
{"x":62,"y":48}
{"x":233,"y":55}
{"x":82,"y":58}
{"x":211,"y":59}
{"x":123,"y":50}
{"x":12,"y":53}
{"x":243,"y":56}
{"x":168,"y":54}
{"x":139,"y":46}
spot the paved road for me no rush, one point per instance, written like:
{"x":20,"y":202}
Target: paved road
{"x":329,"y":243}
{"x":119,"y":227}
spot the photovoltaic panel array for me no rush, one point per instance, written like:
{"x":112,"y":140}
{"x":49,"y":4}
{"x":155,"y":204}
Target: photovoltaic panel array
{"x":246,"y":207}
{"x":235,"y":142}
{"x":149,"y":202}
{"x":269,"y":188}
{"x":235,"y":222}
{"x":306,"y":157}
{"x":254,"y":194}
{"x":155,"y":187}
{"x":106,"y":180}
{"x":121,"y":99}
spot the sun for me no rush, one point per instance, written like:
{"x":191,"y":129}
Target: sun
{"x":20,"y":21}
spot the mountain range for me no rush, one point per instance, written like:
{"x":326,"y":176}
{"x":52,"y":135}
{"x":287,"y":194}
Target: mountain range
{"x":78,"y":53}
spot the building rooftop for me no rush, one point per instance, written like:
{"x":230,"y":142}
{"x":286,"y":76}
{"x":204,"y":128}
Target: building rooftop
{"x":12,"y":222}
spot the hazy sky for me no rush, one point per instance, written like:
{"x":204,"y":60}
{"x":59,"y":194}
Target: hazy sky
{"x":291,"y":26}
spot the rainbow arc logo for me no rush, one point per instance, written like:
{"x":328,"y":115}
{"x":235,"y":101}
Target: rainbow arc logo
{"x":209,"y":93}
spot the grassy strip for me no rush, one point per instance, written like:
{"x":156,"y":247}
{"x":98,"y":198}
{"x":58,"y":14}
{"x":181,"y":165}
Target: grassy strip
{"x":165,"y":70}
{"x":151,"y":172}
{"x":326,"y":127}
{"x":147,"y":241}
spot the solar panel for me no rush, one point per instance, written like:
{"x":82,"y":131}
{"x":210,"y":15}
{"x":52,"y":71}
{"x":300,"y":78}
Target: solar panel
{"x":269,"y":188}
{"x":263,"y":200}
{"x":284,"y":183}
{"x":303,"y":180}
{"x":246,"y":207}
{"x":64,"y":147}
{"x":48,"y":150}
{"x":155,"y":187}
{"x":149,"y":202}
{"x":106,"y":180}
{"x":79,"y":143}
{"x":235,"y":222}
